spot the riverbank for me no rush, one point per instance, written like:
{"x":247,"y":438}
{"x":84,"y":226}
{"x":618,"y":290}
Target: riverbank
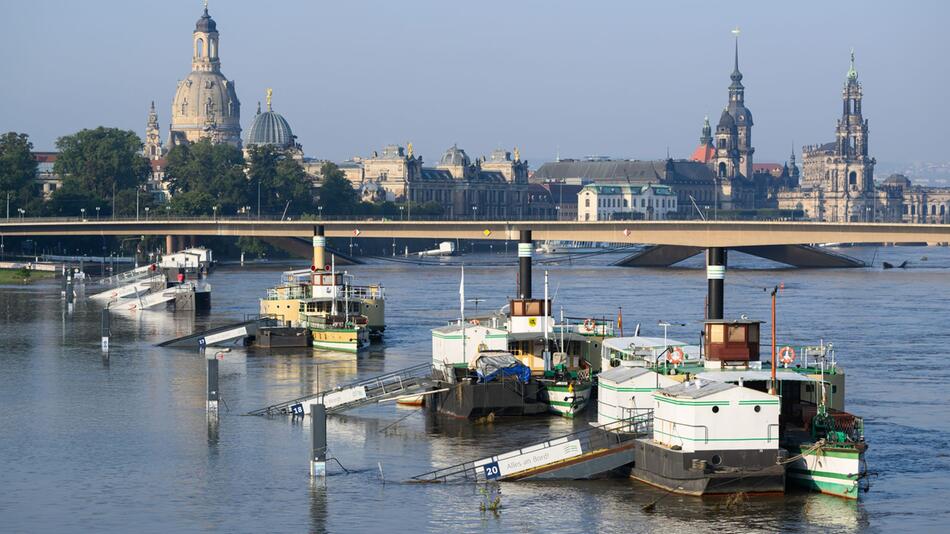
{"x":23,"y":276}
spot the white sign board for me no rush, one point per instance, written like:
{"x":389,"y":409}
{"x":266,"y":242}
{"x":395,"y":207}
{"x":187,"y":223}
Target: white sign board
{"x":537,"y":458}
{"x":223,"y":336}
{"x":346,"y":396}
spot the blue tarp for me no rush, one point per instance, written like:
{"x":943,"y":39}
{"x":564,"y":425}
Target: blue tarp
{"x":495,"y":366}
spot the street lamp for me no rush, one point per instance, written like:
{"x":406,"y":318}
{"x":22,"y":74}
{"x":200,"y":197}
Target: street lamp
{"x":20,"y":210}
{"x":168,"y":211}
{"x":320,"y":209}
{"x":400,"y":212}
{"x":214,"y":210}
{"x":474,"y":213}
{"x":146,"y":213}
{"x":83,"y":212}
{"x":97,"y":213}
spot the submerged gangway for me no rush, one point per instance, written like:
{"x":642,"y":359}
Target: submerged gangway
{"x":127,"y":276}
{"x":360,"y":393}
{"x":129,"y":290}
{"x":583,"y":454}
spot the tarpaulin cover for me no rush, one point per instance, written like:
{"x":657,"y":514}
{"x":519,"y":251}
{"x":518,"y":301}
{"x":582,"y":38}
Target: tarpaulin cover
{"x":491,"y":367}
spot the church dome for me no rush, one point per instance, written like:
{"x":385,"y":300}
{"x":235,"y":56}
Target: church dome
{"x":454,"y":156}
{"x":726,"y":120}
{"x":206,"y":98}
{"x":206,"y":24}
{"x":269,"y":128}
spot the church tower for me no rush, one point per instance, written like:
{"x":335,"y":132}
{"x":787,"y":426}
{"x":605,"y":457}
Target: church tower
{"x":851,"y":138}
{"x":206,"y":105}
{"x":153,"y":136}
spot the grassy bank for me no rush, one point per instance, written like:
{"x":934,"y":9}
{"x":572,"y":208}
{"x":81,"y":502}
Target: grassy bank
{"x":22,"y":276}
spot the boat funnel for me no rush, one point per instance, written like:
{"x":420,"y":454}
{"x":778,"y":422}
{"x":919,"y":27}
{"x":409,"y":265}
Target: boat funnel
{"x":715,"y":277}
{"x":525,"y":250}
{"x":319,"y":248}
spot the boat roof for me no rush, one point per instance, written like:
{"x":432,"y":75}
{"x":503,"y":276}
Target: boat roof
{"x":753,"y":375}
{"x":622,"y":374}
{"x":696,"y":389}
{"x":455,"y":327}
{"x":624,"y":343}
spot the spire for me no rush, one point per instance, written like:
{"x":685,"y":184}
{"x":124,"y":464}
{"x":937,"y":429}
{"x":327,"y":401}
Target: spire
{"x":707,"y":132}
{"x":258,"y":107}
{"x":736,"y":75}
{"x":852,"y":72}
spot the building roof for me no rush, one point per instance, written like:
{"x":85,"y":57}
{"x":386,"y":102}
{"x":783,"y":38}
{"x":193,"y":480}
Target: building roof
{"x":703,"y":153}
{"x":454,"y":156}
{"x":269,"y":128}
{"x":774,"y":169}
{"x":206,"y":23}
{"x":563,"y":193}
{"x":696,"y":389}
{"x":897,"y":179}
{"x":45,"y":157}
{"x":622,"y":374}
{"x":631,"y":189}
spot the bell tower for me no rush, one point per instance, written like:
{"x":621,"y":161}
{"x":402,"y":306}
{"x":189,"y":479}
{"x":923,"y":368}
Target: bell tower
{"x":205,"y":42}
{"x":153,"y":137}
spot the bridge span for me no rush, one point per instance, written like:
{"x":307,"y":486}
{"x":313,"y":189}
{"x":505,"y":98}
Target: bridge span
{"x":753,"y":236}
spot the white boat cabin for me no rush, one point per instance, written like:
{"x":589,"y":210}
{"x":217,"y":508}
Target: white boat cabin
{"x":642,"y":351}
{"x":624,"y":392}
{"x":447,"y":343}
{"x":702,"y":416}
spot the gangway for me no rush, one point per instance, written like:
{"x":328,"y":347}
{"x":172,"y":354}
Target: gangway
{"x":129,"y":290}
{"x":128,"y":276}
{"x":584,"y":454}
{"x":228,"y":334}
{"x":360,"y":393}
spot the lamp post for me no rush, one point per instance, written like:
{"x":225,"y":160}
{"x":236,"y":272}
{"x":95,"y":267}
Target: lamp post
{"x":20,"y":210}
{"x":214,"y":210}
{"x":400,"y":212}
{"x":82,"y":211}
{"x":146,"y":213}
{"x":258,"y":198}
{"x":97,"y":213}
{"x":8,"y":204}
{"x":136,"y":203}
{"x":474,"y":213}
{"x":320,"y":209}
{"x":168,"y":212}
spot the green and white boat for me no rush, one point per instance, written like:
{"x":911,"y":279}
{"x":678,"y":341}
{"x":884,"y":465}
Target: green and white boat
{"x":567,"y":397}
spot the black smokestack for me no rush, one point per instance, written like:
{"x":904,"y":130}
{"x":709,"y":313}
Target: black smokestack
{"x":525,"y":250}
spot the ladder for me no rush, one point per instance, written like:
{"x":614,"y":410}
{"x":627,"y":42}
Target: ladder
{"x":546,"y":457}
{"x":360,"y":393}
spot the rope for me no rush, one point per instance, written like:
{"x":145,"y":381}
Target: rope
{"x":818,"y":445}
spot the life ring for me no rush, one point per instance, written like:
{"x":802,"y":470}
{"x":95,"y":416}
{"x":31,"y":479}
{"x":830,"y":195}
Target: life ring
{"x":473,"y":322}
{"x":589,"y":325}
{"x":675,"y":356}
{"x":787,"y":355}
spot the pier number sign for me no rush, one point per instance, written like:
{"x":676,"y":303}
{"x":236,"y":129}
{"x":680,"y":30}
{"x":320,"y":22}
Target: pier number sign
{"x":492,"y":471}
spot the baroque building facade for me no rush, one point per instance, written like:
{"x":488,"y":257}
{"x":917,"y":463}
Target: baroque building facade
{"x":206,"y":105}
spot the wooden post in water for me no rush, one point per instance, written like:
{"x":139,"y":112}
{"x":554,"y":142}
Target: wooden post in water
{"x":106,"y":330}
{"x":212,"y":385}
{"x":318,"y":441}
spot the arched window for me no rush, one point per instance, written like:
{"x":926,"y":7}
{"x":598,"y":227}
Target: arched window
{"x":852,"y":178}
{"x":933,"y":209}
{"x":943,"y":210}
{"x":199,"y":47}
{"x":722,"y":169}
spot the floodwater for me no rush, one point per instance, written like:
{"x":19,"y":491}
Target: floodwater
{"x":124,"y":444}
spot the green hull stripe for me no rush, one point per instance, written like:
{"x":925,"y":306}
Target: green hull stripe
{"x":762,"y":402}
{"x":830,"y":488}
{"x":563,"y":389}
{"x":690,"y":403}
{"x":704,"y":440}
{"x":826,"y":474}
{"x":561,"y":403}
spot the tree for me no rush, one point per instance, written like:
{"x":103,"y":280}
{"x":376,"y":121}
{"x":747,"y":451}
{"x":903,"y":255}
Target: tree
{"x":281,"y":180}
{"x":215,"y":170}
{"x":101,"y":161}
{"x":72,"y":197}
{"x":192,"y":204}
{"x":337,"y":195}
{"x":17,"y":168}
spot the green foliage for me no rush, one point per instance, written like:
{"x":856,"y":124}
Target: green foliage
{"x":17,"y":168}
{"x":337,"y":195}
{"x":192,"y":204}
{"x":281,"y":179}
{"x":100,"y":159}
{"x":255,"y":247}
{"x":216,"y":171}
{"x":68,"y":201}
{"x":23,"y":273}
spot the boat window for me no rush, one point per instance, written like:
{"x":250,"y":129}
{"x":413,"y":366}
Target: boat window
{"x":716,"y":459}
{"x":716,"y":333}
{"x":737,"y":334}
{"x":715,"y":409}
{"x":758,"y":409}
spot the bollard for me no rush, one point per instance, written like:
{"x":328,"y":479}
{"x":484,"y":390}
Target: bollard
{"x":318,"y":442}
{"x":212,"y":385}
{"x":106,"y":329}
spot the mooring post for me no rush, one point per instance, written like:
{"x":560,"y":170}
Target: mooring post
{"x":715,"y":276}
{"x":318,"y":441}
{"x":106,"y":329}
{"x":70,"y":294}
{"x":212,"y":385}
{"x":525,"y":251}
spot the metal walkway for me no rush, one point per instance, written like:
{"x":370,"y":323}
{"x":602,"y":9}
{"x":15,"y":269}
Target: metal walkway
{"x":131,"y":289}
{"x":579,"y":455}
{"x":361,"y":393}
{"x":228,"y":334}
{"x":128,"y":276}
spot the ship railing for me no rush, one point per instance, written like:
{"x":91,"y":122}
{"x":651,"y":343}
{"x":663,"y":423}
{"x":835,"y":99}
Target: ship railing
{"x":675,"y":424}
{"x":366,"y":292}
{"x":375,"y":388}
{"x":593,"y":438}
{"x":288,"y":293}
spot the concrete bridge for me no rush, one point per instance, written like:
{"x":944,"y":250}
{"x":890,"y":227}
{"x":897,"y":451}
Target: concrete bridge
{"x":784,"y":241}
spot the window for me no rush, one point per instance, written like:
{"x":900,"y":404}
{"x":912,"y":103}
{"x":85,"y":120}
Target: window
{"x":199,"y":47}
{"x":587,"y":202}
{"x":722,"y":169}
{"x":715,"y":409}
{"x":853,"y":178}
{"x":625,"y":205}
{"x":643,"y":202}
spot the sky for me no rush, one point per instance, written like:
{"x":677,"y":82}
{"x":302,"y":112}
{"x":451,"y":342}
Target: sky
{"x":624,"y":79}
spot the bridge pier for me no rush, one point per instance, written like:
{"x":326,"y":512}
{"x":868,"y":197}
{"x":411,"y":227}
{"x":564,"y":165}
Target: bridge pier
{"x":715,"y":279}
{"x":169,"y":244}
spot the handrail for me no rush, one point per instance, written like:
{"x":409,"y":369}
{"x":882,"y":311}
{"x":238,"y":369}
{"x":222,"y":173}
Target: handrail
{"x":674,"y":423}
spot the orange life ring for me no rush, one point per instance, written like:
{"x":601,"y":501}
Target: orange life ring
{"x":787,"y":355}
{"x":675,"y":356}
{"x":474,"y":322}
{"x":589,"y":325}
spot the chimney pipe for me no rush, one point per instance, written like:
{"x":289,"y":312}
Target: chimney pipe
{"x":525,"y":250}
{"x":319,"y":248}
{"x":715,"y":276}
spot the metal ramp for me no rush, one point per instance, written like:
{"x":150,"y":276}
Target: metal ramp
{"x":129,"y":290}
{"x":127,"y":276}
{"x":579,"y":455}
{"x":222,"y":335}
{"x":361,"y":393}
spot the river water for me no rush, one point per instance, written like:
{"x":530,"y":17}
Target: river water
{"x":124,"y":444}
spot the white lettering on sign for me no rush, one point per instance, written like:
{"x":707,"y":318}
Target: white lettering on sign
{"x":346,"y":396}
{"x":537,"y":458}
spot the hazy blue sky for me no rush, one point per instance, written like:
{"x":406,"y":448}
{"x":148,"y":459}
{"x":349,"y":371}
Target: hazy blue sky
{"x":626,"y":79}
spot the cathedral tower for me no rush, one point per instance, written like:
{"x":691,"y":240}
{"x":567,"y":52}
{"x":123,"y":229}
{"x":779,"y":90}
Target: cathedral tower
{"x":734,"y":133}
{"x":851,"y":139}
{"x":206,"y":104}
{"x":153,"y":136}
